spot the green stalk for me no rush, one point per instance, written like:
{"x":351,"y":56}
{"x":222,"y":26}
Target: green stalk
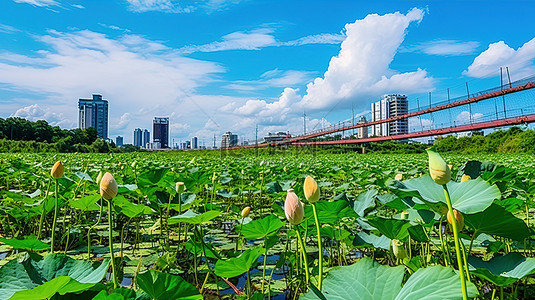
{"x":264,"y":267}
{"x":304,"y":251}
{"x":320,"y":254}
{"x":110,"y":234}
{"x":456,"y":240}
{"x":91,"y":228}
{"x":43,"y":213}
{"x":54,"y":221}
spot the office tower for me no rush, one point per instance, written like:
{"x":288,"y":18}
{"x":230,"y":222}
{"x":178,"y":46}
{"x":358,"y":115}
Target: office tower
{"x":146,"y":137}
{"x":229,"y":140}
{"x":94,"y":113}
{"x":390,"y":106}
{"x":362,"y":132}
{"x":160,"y":131}
{"x":138,"y":141}
{"x":194,"y":144}
{"x":119,"y":141}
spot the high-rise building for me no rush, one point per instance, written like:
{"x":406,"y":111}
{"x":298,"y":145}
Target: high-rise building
{"x":229,"y":140}
{"x":94,"y":113}
{"x":194,"y":144}
{"x":146,"y":137}
{"x":160,"y":131}
{"x":138,"y":140}
{"x":362,"y":132}
{"x":119,"y":141}
{"x":390,"y":106}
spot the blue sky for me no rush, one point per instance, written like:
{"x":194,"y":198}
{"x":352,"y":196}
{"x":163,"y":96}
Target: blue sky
{"x":214,"y":66}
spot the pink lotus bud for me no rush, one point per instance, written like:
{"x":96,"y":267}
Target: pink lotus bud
{"x":293,"y":208}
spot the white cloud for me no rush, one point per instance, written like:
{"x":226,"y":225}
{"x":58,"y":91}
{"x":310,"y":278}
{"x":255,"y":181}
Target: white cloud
{"x":7,"y":29}
{"x":324,"y":38}
{"x":176,"y":6}
{"x":41,"y":3}
{"x":114,"y":27}
{"x":35,"y":112}
{"x":123,"y":122}
{"x":444,"y":47}
{"x":273,"y":78}
{"x":488,"y":63}
{"x":361,"y":69}
{"x":419,"y":124}
{"x":241,"y":40}
{"x":464,"y":117}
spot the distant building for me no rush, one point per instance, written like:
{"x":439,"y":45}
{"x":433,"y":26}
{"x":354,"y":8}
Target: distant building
{"x":362,"y":132}
{"x":160,"y":131}
{"x":138,"y":138}
{"x":275,"y":137}
{"x":194,"y":143}
{"x":153,"y":146}
{"x":119,"y":141}
{"x":146,"y":137}
{"x":94,"y":113}
{"x":390,"y":106}
{"x":229,"y":140}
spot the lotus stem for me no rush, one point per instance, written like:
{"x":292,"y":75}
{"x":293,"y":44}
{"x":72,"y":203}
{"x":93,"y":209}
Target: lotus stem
{"x":110,"y":234}
{"x":55,"y":216}
{"x":304,"y":251}
{"x":457,"y":242}
{"x":91,"y":228}
{"x":320,"y":249}
{"x":43,"y":213}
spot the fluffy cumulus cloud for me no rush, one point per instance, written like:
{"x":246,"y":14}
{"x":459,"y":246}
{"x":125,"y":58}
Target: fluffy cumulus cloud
{"x":419,"y":124}
{"x":361,"y":69}
{"x":519,"y":61}
{"x":464,"y":117}
{"x":35,"y":112}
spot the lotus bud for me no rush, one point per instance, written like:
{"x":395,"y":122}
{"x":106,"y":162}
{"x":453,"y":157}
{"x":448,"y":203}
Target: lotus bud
{"x":398,"y":249}
{"x":245,"y":212}
{"x":284,"y":169}
{"x":108,"y":186}
{"x":311,"y":190}
{"x":99,"y":177}
{"x":438,"y":169}
{"x":57,"y":170}
{"x":399,"y":177}
{"x":180,"y":187}
{"x":404,"y":215}
{"x":450,"y":166}
{"x":459,"y":217}
{"x":293,"y":208}
{"x":465,"y":177}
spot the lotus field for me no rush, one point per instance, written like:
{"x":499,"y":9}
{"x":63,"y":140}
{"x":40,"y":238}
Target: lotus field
{"x":197,"y":225}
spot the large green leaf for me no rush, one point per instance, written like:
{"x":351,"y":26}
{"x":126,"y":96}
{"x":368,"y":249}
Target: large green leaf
{"x":436,"y":282}
{"x":163,"y":286}
{"x":129,"y":209}
{"x":469,"y":197}
{"x":495,"y":220}
{"x":362,"y":239}
{"x":329,"y":212}
{"x":27,"y":273}
{"x":87,"y":203}
{"x":28,"y":243}
{"x":61,"y":285}
{"x":151,"y":177}
{"x":364,"y":201}
{"x":502,"y":270}
{"x":238,"y":265}
{"x":261,"y":227}
{"x":366,"y":280}
{"x":191,"y":217}
{"x":391,"y":228}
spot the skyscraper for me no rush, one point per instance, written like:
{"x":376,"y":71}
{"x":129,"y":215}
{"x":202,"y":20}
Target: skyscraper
{"x":94,"y":113}
{"x":229,"y":140}
{"x":119,"y":141}
{"x":160,"y":131}
{"x":194,"y":143}
{"x":138,"y":137}
{"x":390,"y":106}
{"x":146,"y":137}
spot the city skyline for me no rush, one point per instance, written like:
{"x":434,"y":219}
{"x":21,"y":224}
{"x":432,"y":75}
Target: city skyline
{"x":245,"y":63}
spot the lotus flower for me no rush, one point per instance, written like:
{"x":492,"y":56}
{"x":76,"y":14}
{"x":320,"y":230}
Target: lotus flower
{"x":57,"y":170}
{"x":438,"y":169}
{"x":180,"y":187}
{"x":245,"y":212}
{"x":293,"y":208}
{"x":108,"y":186}
{"x":311,"y":190}
{"x":459,"y":217}
{"x":399,"y":177}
